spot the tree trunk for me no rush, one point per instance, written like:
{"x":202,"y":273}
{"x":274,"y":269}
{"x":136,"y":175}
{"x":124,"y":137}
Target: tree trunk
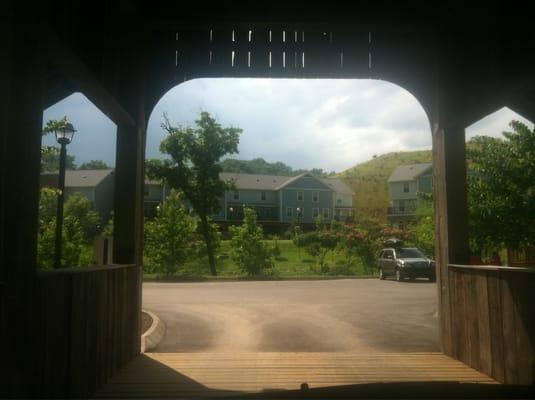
{"x":208,"y":241}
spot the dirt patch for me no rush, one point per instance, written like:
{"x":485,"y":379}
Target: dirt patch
{"x":146,"y":322}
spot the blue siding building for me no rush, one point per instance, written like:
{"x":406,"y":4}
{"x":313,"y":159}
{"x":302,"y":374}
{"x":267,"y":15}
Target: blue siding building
{"x":285,"y":199}
{"x":277,"y":199}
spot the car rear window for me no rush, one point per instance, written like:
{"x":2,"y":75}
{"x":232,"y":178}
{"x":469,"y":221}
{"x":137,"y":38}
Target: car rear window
{"x":409,"y":253}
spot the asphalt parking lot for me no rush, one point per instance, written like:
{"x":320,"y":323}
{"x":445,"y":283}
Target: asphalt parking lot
{"x":367,"y":315}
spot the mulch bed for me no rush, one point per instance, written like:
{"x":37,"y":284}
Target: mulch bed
{"x":146,"y":322}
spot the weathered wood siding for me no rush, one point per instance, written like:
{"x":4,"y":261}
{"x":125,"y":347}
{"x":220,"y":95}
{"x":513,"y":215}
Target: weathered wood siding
{"x":86,"y":326}
{"x":493,"y":321}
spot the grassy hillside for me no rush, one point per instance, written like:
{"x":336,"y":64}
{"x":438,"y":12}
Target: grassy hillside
{"x":369,"y":179}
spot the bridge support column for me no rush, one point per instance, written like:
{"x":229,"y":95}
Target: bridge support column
{"x":451,"y":215}
{"x":21,"y":117}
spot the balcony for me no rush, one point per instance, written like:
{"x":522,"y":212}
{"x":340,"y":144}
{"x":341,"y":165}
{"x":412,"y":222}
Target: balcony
{"x":400,"y":211}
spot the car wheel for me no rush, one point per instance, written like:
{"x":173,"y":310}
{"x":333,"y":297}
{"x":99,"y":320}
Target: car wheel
{"x":398,"y":275}
{"x":381,"y":275}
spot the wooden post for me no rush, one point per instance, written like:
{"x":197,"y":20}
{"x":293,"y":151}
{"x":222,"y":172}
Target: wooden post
{"x":128,"y":213}
{"x":451,"y":215}
{"x":20,"y":141}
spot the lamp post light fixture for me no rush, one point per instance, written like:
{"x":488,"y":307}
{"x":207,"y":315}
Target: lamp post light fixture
{"x":64,"y":133}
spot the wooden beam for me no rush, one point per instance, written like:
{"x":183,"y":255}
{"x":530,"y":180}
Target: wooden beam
{"x":64,"y":59}
{"x":20,"y":143}
{"x":451,"y":216}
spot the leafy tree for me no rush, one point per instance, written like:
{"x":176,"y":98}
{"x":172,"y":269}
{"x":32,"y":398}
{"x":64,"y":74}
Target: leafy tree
{"x":73,"y":244}
{"x":261,"y":166}
{"x":50,"y":159}
{"x":81,"y":209}
{"x":108,"y":228}
{"x":50,"y":154}
{"x":168,"y":237}
{"x":366,"y":238}
{"x":501,"y":189}
{"x":48,"y":200}
{"x":73,"y":234}
{"x":422,"y":231}
{"x":95,"y":164}
{"x":319,"y":243}
{"x":194,"y":168}
{"x":248,"y":248}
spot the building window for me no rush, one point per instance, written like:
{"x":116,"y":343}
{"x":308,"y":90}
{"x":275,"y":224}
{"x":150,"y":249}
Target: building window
{"x":236,"y":195}
{"x":315,"y":212}
{"x":406,"y":187}
{"x":315,"y":197}
{"x":299,"y":196}
{"x":339,"y":201}
{"x":289,"y":212}
{"x":147,"y":190}
{"x":263,"y":196}
{"x":300,"y":211}
{"x":325,"y":213}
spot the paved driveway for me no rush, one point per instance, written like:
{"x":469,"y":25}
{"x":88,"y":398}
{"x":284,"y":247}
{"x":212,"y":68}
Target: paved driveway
{"x":365,"y":315}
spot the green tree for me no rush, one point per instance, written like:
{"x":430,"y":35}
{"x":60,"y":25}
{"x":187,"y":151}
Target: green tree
{"x":95,"y":164}
{"x":168,"y":237}
{"x":366,"y":238}
{"x":319,"y":243}
{"x":108,"y":228}
{"x":81,"y":209}
{"x":50,"y":154}
{"x":422,"y":231}
{"x":501,"y":189}
{"x":248,"y":249}
{"x":194,"y":168}
{"x":50,"y":159}
{"x":73,"y":234}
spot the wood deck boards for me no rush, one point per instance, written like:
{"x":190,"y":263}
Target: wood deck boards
{"x":185,"y":375}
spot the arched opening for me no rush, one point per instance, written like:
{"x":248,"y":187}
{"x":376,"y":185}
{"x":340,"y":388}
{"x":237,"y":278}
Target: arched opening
{"x":355,"y":131}
{"x":499,"y":189}
{"x":89,"y":187}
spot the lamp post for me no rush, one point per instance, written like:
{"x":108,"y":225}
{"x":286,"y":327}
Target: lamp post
{"x":64,"y":134}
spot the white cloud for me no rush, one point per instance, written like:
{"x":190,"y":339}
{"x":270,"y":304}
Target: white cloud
{"x":329,"y":124}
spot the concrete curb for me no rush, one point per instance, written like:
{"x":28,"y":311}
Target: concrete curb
{"x":153,"y":336}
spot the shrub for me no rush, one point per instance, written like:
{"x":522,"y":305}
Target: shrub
{"x":168,"y":237}
{"x":248,"y":250}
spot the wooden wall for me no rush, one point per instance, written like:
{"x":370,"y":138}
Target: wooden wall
{"x":493,"y":320}
{"x":83,"y":328}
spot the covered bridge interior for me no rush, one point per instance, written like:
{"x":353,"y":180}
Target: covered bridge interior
{"x":66,"y":332}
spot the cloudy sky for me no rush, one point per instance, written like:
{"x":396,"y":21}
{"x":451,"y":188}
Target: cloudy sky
{"x":329,"y":124}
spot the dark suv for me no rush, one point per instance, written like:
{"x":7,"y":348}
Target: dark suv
{"x":405,"y":262}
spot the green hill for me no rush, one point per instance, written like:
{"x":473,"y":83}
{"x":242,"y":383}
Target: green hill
{"x":369,"y":180}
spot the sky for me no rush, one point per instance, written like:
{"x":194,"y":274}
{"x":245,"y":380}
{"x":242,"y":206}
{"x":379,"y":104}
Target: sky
{"x":328,"y":124}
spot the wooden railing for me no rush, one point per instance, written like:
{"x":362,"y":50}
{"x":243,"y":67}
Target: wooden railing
{"x":493,"y":320}
{"x":86,"y":327}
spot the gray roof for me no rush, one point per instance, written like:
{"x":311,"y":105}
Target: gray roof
{"x":337,"y":185}
{"x":405,"y":173}
{"x":254,"y":181}
{"x":83,"y":177}
{"x":276,"y":182}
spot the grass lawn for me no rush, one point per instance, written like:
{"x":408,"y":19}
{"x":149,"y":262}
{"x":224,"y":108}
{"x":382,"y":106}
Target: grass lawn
{"x":293,"y":263}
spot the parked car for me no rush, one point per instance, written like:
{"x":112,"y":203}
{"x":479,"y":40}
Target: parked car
{"x":405,"y":262}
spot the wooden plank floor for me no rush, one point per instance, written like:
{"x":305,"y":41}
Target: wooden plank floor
{"x":154,"y":375}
